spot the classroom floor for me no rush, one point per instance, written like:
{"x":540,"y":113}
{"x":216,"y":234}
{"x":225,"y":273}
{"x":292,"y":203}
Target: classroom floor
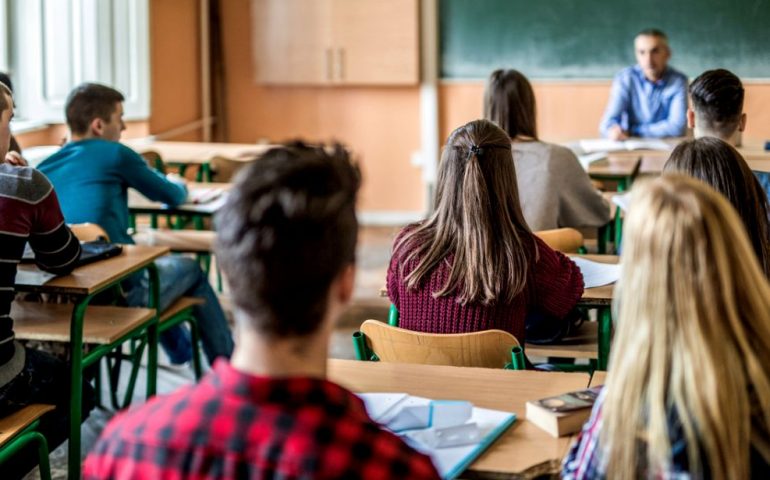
{"x":372,"y":256}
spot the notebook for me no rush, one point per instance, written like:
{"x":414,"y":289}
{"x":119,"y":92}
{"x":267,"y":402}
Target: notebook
{"x":480,"y":426}
{"x":90,"y":252}
{"x":604,"y":145}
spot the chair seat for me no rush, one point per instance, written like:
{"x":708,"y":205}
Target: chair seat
{"x":51,"y":322}
{"x":180,"y":305}
{"x":584,"y":344}
{"x":195,"y":241}
{"x":13,"y":424}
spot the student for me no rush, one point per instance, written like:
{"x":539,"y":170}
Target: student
{"x":718,"y":164}
{"x":474,"y":263}
{"x":29,"y":212}
{"x":554,"y":190}
{"x":13,"y":156}
{"x":688,"y":389}
{"x":92,"y":174}
{"x":650,"y":98}
{"x":717,"y":111}
{"x":286,"y":243}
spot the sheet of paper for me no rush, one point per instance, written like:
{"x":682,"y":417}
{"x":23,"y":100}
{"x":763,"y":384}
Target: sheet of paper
{"x":33,"y":277}
{"x":648,"y":144}
{"x":592,"y":145}
{"x":449,"y":461}
{"x":597,"y":274}
{"x":623,"y":201}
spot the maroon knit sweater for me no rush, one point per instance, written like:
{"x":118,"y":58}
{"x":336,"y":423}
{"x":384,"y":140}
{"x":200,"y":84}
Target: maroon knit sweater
{"x":555,"y":286}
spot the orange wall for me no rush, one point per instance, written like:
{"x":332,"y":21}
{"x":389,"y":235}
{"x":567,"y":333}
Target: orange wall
{"x":381,"y":125}
{"x":567,"y":111}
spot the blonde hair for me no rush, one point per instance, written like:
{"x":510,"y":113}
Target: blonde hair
{"x":692,"y":339}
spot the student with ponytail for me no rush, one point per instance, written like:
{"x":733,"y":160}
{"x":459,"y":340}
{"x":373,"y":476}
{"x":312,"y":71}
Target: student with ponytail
{"x":474,"y":264}
{"x":688,"y":389}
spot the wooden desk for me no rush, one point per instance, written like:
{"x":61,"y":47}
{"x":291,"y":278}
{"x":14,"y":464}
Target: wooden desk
{"x":521,"y":447}
{"x":83,"y":283}
{"x":618,"y":167}
{"x":598,"y":378}
{"x":199,"y":153}
{"x":139,"y":204}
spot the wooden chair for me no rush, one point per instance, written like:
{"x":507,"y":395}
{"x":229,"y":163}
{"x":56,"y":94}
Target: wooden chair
{"x":490,"y":348}
{"x":178,"y":312}
{"x":17,"y":431}
{"x":566,"y":240}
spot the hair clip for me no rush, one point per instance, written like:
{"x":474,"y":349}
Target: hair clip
{"x":476,"y":150}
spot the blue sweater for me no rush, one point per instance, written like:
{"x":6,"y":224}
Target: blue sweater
{"x":91,"y":178}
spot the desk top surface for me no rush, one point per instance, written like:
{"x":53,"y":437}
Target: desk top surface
{"x":96,"y":276}
{"x":521,"y":447}
{"x":199,"y":152}
{"x":618,"y":165}
{"x":138,"y":203}
{"x":598,"y":378}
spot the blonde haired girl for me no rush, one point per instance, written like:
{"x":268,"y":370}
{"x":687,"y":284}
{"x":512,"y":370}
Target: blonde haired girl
{"x":688,"y":392}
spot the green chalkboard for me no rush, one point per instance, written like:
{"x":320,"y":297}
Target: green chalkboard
{"x":594,"y":38}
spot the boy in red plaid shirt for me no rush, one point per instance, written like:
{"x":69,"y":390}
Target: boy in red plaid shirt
{"x":286,"y":243}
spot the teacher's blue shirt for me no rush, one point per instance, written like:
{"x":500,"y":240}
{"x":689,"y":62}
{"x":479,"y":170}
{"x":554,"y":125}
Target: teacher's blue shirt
{"x":644,"y":108}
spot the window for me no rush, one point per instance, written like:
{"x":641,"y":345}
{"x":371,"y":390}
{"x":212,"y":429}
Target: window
{"x":52,"y":45}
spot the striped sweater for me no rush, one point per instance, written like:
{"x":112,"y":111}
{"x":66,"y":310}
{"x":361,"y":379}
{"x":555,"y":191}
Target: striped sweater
{"x":29,"y":212}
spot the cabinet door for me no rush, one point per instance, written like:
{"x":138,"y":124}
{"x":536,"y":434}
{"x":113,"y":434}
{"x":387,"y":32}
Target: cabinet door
{"x":375,"y":42}
{"x":291,"y":42}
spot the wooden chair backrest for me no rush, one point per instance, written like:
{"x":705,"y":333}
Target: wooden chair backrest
{"x":88,"y":232}
{"x":11,"y":425}
{"x":566,"y":240}
{"x":154,"y":160}
{"x":224,"y":169}
{"x":488,"y":348}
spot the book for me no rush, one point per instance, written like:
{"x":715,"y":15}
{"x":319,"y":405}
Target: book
{"x":603,"y":145}
{"x":563,"y":414}
{"x":452,"y":433}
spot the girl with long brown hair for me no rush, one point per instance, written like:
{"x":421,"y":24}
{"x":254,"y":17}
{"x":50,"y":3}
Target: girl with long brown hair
{"x":554,"y":190}
{"x":721,"y":166}
{"x":688,"y":389}
{"x":474,"y":264}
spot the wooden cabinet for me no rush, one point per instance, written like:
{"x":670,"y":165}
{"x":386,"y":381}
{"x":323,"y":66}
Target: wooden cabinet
{"x":336,"y":42}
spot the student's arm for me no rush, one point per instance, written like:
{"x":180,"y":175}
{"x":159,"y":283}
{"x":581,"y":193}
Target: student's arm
{"x":580,"y":204}
{"x":585,"y":457}
{"x":56,"y":248}
{"x":558,"y":282}
{"x":675,"y":123}
{"x":618,"y":104}
{"x":147,"y":181}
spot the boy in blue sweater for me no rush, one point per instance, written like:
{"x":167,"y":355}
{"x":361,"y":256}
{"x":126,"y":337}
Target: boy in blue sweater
{"x":92,"y":174}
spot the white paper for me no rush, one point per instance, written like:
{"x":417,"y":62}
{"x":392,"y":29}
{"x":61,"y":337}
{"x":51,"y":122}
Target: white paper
{"x":597,"y":274}
{"x":204,"y":195}
{"x":449,"y":461}
{"x":622,"y":200}
{"x":592,"y":145}
{"x":33,"y":277}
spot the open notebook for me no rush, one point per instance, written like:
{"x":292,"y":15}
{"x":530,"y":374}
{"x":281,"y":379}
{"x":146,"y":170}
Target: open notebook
{"x":456,"y":434}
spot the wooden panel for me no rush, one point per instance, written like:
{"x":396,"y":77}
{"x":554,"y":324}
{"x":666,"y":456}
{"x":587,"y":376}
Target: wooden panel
{"x":11,"y":425}
{"x":376,"y":42}
{"x":291,"y":41}
{"x":51,"y":322}
{"x":522,"y":446}
{"x":179,"y":305}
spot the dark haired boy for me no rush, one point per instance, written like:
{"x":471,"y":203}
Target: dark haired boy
{"x":286,"y":244}
{"x":717,"y":111}
{"x":92,"y":174}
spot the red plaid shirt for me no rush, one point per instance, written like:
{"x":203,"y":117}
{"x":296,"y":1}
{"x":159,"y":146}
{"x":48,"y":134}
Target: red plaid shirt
{"x":234,"y":425}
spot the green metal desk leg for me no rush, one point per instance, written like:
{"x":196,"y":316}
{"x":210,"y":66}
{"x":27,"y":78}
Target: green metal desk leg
{"x":393,"y":316}
{"x":152,"y":331}
{"x":624,"y":183}
{"x":76,"y":385}
{"x":618,"y":229}
{"x":206,"y":168}
{"x":22,"y":440}
{"x":602,"y":235}
{"x":605,"y":336}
